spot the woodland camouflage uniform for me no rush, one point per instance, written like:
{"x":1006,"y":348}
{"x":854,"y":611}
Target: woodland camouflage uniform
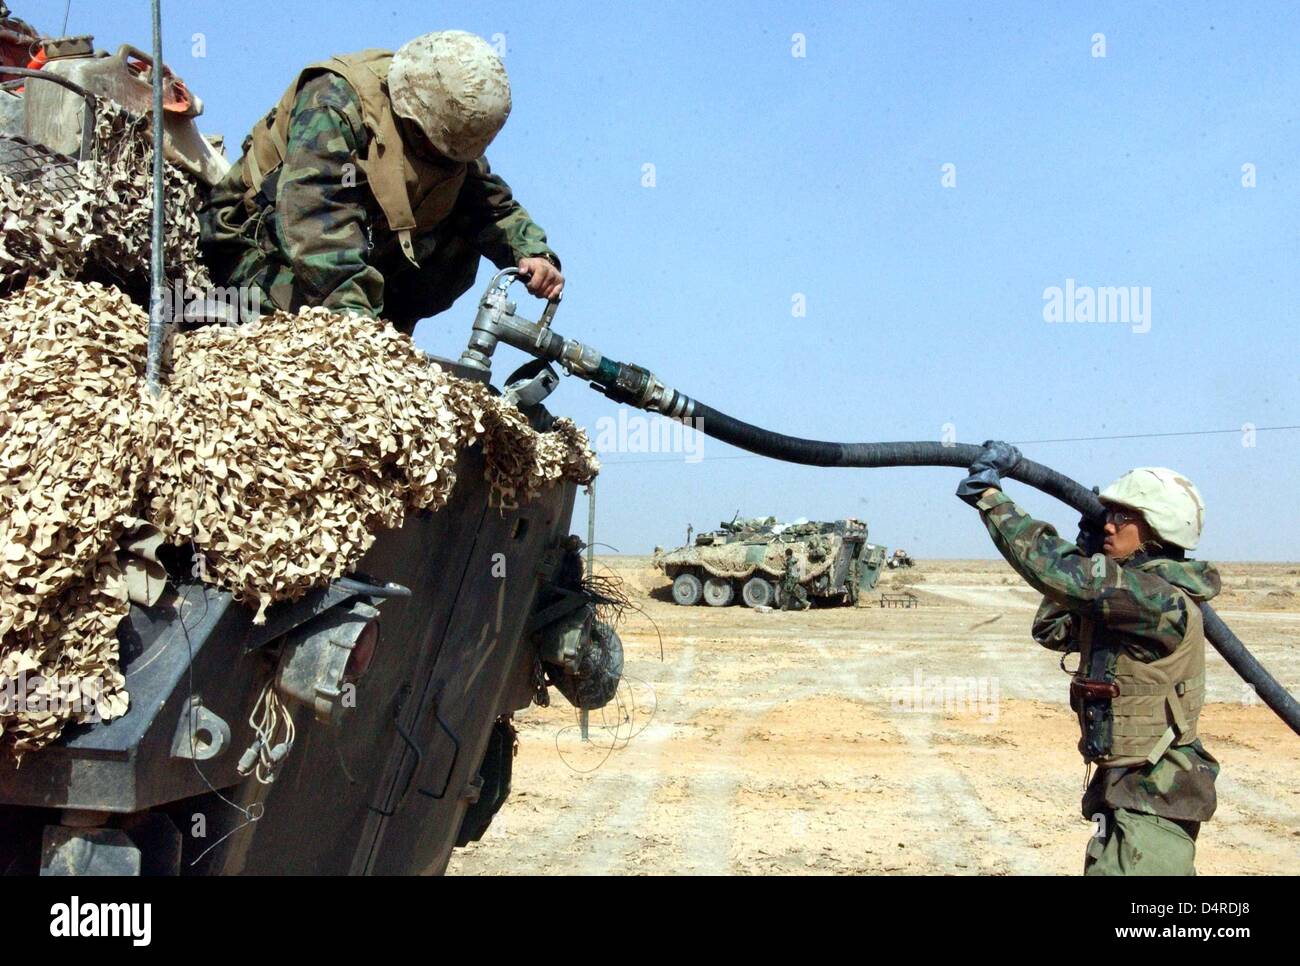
{"x":1146,"y":607}
{"x":793,"y":595}
{"x":313,"y":233}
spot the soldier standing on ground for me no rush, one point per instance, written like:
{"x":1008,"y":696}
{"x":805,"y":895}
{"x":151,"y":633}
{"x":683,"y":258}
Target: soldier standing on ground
{"x":793,"y":595}
{"x":1125,"y":598}
{"x":366,"y":189}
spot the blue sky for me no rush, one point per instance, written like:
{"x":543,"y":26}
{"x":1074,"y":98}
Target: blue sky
{"x":782,"y":180}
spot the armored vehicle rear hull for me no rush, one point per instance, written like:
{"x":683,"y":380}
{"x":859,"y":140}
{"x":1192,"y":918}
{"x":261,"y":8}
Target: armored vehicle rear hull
{"x":385,"y":778}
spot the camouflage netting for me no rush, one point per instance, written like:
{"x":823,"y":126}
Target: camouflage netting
{"x":278,"y":448}
{"x":68,"y":477}
{"x":100,"y":228}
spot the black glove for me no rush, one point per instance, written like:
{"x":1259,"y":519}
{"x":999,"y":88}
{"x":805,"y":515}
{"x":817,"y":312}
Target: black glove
{"x":1091,"y":532}
{"x":997,"y":459}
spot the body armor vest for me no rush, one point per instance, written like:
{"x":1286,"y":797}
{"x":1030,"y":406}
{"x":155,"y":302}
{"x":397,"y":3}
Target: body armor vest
{"x":414,"y":193}
{"x":1132,"y":711}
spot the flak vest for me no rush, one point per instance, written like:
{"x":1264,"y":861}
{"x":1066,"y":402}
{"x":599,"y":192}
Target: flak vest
{"x":414,"y":195}
{"x":1131,"y":712}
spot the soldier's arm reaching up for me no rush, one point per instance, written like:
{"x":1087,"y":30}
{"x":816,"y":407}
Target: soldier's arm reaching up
{"x":1129,"y":601}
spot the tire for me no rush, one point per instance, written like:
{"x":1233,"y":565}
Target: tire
{"x":718,"y":592}
{"x":687,"y":590}
{"x":758,"y":592}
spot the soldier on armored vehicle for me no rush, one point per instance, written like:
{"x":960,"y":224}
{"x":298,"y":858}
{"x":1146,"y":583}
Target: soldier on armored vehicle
{"x":366,"y":189}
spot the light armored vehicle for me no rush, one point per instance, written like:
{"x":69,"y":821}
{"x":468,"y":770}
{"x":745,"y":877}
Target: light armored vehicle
{"x":745,"y":560}
{"x":400,"y":678}
{"x":901,"y":558}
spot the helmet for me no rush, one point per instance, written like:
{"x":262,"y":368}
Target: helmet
{"x":1167,"y":500}
{"x":453,"y":87}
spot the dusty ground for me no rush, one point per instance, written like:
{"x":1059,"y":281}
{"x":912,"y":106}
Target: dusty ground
{"x":870,"y":740}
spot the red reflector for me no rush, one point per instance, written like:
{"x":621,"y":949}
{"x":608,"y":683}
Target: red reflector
{"x":363,"y":652}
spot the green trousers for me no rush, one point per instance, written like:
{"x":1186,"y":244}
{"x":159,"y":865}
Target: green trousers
{"x":1138,"y":844}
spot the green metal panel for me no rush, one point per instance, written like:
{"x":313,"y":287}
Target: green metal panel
{"x":871,"y":560}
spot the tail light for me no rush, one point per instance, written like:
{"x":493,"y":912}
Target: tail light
{"x":321,"y":661}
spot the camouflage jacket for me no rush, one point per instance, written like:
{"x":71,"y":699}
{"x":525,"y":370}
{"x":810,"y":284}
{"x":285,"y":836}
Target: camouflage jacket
{"x":791,"y":575}
{"x":1139,"y":608}
{"x":320,"y":238}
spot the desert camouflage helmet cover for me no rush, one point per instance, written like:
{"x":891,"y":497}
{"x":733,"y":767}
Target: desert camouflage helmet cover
{"x":454,"y":87}
{"x":1170,"y":503}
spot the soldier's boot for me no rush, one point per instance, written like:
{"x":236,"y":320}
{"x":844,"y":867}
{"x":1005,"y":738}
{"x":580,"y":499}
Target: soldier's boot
{"x":1140,"y":844}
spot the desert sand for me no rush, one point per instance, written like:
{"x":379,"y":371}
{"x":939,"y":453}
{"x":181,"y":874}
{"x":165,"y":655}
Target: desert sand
{"x":930,"y":740}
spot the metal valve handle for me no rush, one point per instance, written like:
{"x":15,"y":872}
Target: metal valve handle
{"x":514,"y":275}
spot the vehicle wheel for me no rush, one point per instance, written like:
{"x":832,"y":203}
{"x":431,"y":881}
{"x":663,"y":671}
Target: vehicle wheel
{"x":687,"y":589}
{"x":758,"y":592}
{"x":718,"y":592}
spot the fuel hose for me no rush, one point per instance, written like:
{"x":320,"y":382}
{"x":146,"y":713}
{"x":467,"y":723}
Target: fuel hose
{"x":636,"y":386}
{"x":814,"y":452}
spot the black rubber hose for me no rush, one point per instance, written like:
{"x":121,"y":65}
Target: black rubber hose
{"x":793,"y":449}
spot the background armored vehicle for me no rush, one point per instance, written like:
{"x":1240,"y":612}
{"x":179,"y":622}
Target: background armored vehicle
{"x":745,"y":559}
{"x":901,"y":558}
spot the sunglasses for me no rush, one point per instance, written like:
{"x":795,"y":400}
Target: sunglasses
{"x":1120,"y":518}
